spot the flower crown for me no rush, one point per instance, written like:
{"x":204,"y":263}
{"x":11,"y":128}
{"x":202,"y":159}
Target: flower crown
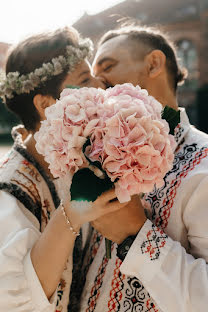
{"x":13,"y":82}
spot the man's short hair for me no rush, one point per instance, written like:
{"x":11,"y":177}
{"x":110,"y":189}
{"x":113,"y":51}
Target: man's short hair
{"x":152,"y":39}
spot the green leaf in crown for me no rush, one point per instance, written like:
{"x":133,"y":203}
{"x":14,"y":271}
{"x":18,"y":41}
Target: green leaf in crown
{"x":72,"y":87}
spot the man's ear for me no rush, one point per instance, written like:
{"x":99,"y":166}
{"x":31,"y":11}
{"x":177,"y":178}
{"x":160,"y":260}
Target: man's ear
{"x":41,"y":102}
{"x":156,"y":61}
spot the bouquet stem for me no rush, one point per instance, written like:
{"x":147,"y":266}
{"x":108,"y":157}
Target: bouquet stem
{"x":108,"y":248}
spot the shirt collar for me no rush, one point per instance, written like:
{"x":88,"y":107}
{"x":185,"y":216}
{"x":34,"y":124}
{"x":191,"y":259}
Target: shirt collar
{"x":183,"y":127}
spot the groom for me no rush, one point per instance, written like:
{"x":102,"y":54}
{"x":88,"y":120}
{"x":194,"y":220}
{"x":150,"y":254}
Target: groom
{"x":159,"y":261}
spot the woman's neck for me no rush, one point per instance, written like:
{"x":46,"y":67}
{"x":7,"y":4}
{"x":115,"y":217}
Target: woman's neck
{"x":30,"y":144}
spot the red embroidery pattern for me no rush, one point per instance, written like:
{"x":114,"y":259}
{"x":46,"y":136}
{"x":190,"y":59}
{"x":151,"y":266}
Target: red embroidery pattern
{"x":169,"y":200}
{"x":25,"y":162}
{"x":45,"y":213}
{"x":137,"y":298}
{"x":156,"y":239}
{"x":96,"y":241}
{"x":31,"y":170}
{"x":151,"y":306}
{"x":4,"y":162}
{"x":95,"y":291}
{"x":30,"y":186}
{"x":117,"y":287}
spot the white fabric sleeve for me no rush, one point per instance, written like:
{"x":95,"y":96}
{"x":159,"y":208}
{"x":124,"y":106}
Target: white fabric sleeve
{"x":176,"y":280}
{"x":20,"y":288}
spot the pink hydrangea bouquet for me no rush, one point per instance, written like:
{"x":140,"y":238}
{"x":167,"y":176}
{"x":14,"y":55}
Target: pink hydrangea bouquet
{"x":115,"y":136}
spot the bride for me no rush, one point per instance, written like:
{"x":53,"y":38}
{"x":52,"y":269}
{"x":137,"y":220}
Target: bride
{"x":38,"y":224}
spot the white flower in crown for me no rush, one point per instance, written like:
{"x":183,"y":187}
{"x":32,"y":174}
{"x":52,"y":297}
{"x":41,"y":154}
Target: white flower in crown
{"x":39,"y":71}
{"x":35,"y":80}
{"x":21,"y":78}
{"x":27,"y":86}
{"x":16,"y":83}
{"x":62,"y":61}
{"x":57,"y":67}
{"x":13,"y":76}
{"x":48,"y":68}
{"x":2,"y":74}
{"x":8,"y":92}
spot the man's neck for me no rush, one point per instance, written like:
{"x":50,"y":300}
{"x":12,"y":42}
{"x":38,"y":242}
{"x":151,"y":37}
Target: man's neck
{"x":161,"y":90}
{"x":168,"y":100}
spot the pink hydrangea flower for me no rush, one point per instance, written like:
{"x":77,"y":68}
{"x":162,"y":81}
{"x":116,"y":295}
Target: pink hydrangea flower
{"x":127,"y":136}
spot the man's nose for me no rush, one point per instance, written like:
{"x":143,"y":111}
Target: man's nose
{"x":100,"y":83}
{"x":98,"y":75}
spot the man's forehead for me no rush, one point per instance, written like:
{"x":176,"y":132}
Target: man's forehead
{"x":110,"y":48}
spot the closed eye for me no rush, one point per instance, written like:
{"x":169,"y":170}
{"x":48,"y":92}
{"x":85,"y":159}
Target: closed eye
{"x":108,"y":67}
{"x":85,"y":80}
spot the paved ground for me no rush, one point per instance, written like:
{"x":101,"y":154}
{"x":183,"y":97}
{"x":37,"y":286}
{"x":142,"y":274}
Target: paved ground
{"x":4,"y":149}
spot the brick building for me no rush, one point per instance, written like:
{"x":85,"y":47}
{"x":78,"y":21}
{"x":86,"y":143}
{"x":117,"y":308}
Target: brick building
{"x":3,"y":53}
{"x":187,"y":23}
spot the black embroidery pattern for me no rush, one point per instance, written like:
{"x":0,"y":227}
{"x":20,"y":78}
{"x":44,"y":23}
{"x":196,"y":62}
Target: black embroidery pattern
{"x":118,"y":294}
{"x":178,"y":133}
{"x":96,"y":241}
{"x":98,"y":282}
{"x":137,"y":298}
{"x":82,"y":273}
{"x":117,"y":286}
{"x":23,"y":197}
{"x":21,"y":150}
{"x":159,"y":197}
{"x":156,"y":239}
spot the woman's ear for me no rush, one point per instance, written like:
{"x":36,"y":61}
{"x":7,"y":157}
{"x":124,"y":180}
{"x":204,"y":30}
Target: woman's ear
{"x":41,"y":102}
{"x":156,"y":61}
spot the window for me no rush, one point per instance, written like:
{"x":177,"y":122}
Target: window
{"x":188,"y":58}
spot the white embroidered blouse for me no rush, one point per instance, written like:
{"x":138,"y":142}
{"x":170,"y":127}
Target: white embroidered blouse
{"x":20,"y":288}
{"x":166,"y":267}
{"x":164,"y":270}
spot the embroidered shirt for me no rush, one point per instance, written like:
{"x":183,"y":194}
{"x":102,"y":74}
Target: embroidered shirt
{"x":165,"y":268}
{"x":24,"y":188}
{"x":20,"y":288}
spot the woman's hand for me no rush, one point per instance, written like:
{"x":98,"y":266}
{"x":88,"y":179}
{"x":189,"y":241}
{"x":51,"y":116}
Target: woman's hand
{"x":83,"y":212}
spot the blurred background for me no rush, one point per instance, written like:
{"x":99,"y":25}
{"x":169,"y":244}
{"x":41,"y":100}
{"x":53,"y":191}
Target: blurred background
{"x":186,"y":21}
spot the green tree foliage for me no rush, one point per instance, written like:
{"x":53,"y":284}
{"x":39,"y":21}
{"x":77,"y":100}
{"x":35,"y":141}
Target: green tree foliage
{"x":7,"y":118}
{"x":7,"y":121}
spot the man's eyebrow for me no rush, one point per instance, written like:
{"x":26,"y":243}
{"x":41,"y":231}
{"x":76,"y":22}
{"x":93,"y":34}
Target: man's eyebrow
{"x":84,"y":72}
{"x":105,"y":59}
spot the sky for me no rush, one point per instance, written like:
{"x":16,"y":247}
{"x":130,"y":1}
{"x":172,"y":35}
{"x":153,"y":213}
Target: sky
{"x":20,"y":18}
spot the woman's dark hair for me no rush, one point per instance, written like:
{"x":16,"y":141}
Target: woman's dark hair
{"x":31,"y":54}
{"x":152,"y":39}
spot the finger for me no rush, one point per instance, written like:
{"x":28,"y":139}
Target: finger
{"x":113,"y":200}
{"x":108,"y":195}
{"x":93,"y":224}
{"x":114,"y":206}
